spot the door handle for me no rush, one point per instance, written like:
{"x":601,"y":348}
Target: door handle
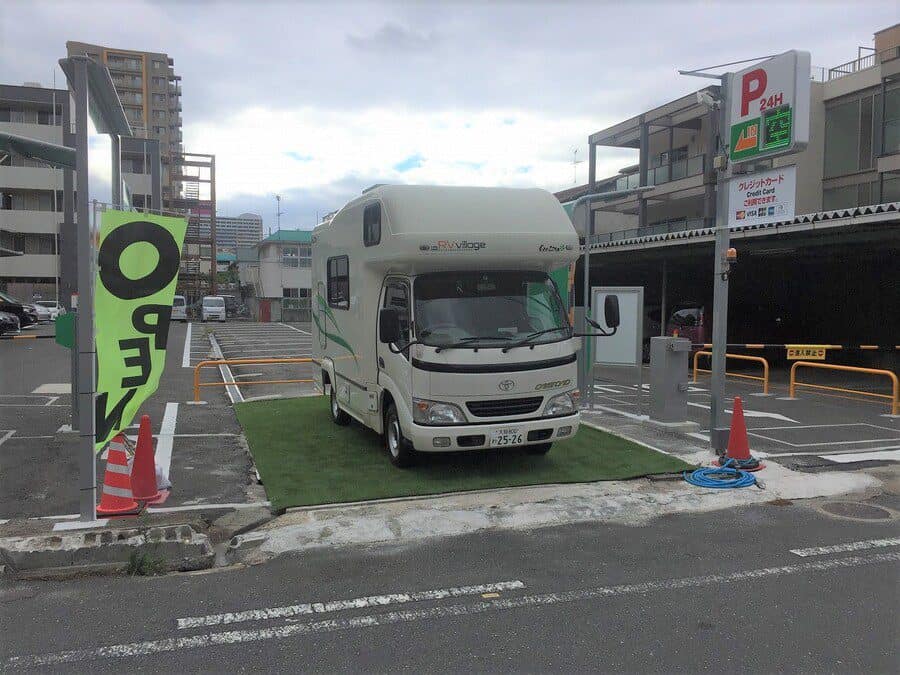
{"x":380,"y":362}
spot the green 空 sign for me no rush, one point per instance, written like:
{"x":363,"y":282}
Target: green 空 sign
{"x":761,"y":135}
{"x":138,"y":259}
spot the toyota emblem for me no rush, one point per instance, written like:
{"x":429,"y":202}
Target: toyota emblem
{"x":506,"y":385}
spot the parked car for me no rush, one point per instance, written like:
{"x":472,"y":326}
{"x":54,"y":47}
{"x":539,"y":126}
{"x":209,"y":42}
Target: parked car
{"x":53,"y":306}
{"x":27,"y":317}
{"x":179,"y":308}
{"x":9,"y":323}
{"x":43,"y":314}
{"x":213,"y":308}
{"x":690,"y":320}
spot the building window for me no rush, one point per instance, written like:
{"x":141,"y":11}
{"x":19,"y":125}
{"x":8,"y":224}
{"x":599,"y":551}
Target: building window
{"x":158,"y":65}
{"x":289,"y":257}
{"x":891,"y":121}
{"x":372,"y":224}
{"x":338,"y":277}
{"x":289,"y":293}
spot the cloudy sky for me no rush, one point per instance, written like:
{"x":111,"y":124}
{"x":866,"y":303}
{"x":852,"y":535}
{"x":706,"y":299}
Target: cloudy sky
{"x":317,"y":100}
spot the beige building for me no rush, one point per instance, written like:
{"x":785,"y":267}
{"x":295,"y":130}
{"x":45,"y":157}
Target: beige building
{"x":852,"y":160}
{"x":150,"y":93}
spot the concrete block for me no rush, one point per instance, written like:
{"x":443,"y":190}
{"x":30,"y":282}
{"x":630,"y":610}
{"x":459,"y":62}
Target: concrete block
{"x":180,"y":547}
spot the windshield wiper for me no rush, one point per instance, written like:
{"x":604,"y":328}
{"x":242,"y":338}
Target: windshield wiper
{"x":528,"y":338}
{"x":467,"y":341}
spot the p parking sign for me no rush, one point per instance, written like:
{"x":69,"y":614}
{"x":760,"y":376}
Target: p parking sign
{"x":769,"y":107}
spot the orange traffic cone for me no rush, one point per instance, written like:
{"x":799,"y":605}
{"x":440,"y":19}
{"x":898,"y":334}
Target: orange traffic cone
{"x":143,"y":471}
{"x":116,"y":498}
{"x":738,"y":443}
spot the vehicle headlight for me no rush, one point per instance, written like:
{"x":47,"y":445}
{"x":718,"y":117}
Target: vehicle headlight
{"x":436,"y":413}
{"x":561,"y":404}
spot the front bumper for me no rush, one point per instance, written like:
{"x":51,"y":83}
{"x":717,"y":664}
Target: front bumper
{"x":466,"y":436}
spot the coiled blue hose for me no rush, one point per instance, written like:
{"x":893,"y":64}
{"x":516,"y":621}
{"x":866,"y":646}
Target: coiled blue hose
{"x":720,"y":477}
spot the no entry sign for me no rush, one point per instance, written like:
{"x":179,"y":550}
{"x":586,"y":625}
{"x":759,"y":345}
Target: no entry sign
{"x":769,"y":107}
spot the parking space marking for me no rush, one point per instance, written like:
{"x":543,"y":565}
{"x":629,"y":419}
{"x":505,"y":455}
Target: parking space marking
{"x":306,"y":609}
{"x":234,"y":393}
{"x":296,"y":329}
{"x":5,"y":435}
{"x":54,"y":388}
{"x":846,"y":548}
{"x":166,"y":645}
{"x":164,"y":440}
{"x":869,"y":456}
{"x":750,"y":413}
{"x":754,"y":432}
{"x":186,"y":354}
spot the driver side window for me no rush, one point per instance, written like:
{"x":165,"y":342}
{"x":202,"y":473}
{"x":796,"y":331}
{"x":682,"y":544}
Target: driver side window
{"x":396,"y":294}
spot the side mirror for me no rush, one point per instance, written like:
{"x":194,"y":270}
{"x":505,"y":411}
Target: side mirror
{"x":389,"y":325}
{"x":611,"y":311}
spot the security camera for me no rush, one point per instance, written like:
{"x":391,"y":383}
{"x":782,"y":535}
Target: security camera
{"x":705,"y":98}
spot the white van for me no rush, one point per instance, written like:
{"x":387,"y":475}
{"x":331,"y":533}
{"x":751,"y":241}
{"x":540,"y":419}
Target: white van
{"x":212,"y":308}
{"x":436,"y":322}
{"x":179,"y":308}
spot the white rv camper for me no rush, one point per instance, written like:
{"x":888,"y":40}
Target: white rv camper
{"x":436,"y":323}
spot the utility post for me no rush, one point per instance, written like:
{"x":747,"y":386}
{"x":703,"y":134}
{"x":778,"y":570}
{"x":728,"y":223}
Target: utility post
{"x":718,"y":434}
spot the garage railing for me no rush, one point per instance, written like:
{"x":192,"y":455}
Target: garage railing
{"x":739,"y":357}
{"x":243,"y":362}
{"x":895,"y":387}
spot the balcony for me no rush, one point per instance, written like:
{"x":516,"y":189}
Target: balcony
{"x":863,"y":63}
{"x":40,"y":222}
{"x":666,"y":173}
{"x":665,"y":227}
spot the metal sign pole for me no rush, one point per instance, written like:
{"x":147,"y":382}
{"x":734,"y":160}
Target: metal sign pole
{"x":718,"y":433}
{"x":87,"y":466}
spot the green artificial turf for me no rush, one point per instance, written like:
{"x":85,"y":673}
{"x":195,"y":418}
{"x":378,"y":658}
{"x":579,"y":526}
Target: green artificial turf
{"x":305,"y":459}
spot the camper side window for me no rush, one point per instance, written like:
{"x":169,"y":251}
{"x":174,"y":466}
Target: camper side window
{"x":339,"y":282}
{"x":372,"y":224}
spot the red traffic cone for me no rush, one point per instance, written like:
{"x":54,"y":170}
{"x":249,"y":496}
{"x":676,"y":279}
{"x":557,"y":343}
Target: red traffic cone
{"x":738,"y":443}
{"x":116,"y":498}
{"x":143,"y":471}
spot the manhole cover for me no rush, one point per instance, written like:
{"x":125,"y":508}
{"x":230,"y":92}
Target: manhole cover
{"x":856,"y":510}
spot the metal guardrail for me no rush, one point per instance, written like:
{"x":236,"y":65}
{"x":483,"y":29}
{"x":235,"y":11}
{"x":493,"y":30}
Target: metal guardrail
{"x":739,"y":357}
{"x":243,"y":362}
{"x":895,"y":386}
{"x":862,"y":63}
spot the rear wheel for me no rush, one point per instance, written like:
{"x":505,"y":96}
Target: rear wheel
{"x":541,"y":449}
{"x":399,"y":449}
{"x":338,"y":416}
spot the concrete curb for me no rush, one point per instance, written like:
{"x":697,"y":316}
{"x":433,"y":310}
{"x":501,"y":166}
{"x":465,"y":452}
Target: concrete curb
{"x":176,"y":547}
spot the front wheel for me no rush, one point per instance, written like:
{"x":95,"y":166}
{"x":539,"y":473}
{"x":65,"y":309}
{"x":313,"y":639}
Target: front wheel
{"x":399,"y":449}
{"x":338,"y":416}
{"x":541,"y":449}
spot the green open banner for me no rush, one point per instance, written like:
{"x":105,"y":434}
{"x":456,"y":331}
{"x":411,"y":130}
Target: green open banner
{"x":137,"y":270}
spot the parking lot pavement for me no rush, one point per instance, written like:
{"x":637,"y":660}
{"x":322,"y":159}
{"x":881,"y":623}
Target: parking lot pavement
{"x":813,"y":429}
{"x":201,"y":445}
{"x":263,"y":341}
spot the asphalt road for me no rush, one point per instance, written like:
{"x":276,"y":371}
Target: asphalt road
{"x":719,"y":592}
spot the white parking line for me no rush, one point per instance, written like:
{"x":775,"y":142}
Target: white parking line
{"x":889,"y":456}
{"x":234,"y":393}
{"x":305,"y":332}
{"x":339,"y":605}
{"x":846,"y":548}
{"x":186,"y":354}
{"x":165,"y":440}
{"x":145,"y":648}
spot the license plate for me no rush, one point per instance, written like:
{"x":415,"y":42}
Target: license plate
{"x":507,"y":436}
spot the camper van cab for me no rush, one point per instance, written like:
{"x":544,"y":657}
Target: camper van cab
{"x":436,"y":320}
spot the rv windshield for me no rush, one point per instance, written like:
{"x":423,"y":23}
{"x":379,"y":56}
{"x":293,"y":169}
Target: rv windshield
{"x":487,"y":308}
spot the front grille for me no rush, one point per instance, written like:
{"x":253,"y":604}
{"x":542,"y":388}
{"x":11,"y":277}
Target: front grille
{"x":506,"y":406}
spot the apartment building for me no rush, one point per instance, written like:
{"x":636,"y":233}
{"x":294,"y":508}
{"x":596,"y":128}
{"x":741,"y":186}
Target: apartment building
{"x":233,"y":232}
{"x":655,"y":227}
{"x":279,"y":271}
{"x":31,"y":193}
{"x":150,"y":93}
